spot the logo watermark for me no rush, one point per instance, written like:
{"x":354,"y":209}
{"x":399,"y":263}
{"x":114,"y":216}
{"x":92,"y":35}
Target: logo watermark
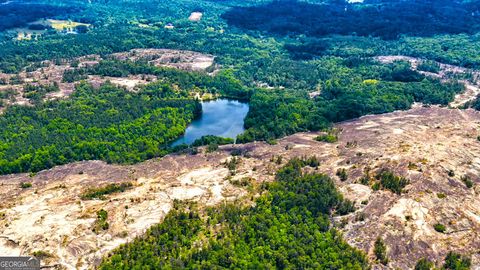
{"x":19,"y":263}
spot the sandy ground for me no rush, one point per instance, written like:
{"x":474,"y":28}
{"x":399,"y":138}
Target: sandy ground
{"x":421,"y":144}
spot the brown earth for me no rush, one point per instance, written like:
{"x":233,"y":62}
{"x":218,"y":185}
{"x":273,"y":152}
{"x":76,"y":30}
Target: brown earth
{"x":422,"y":144}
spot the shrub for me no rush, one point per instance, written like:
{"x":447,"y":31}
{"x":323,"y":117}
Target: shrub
{"x":441,"y":195}
{"x":232,"y":164}
{"x":41,"y":254}
{"x":392,"y":182}
{"x":424,"y":264}
{"x":439,"y":228}
{"x":329,"y":138}
{"x":342,"y":174}
{"x":210,"y":139}
{"x":99,"y":193}
{"x":455,"y":261}
{"x":345,"y":207}
{"x":380,"y":251}
{"x":212,"y":148}
{"x":25,"y":185}
{"x":467,"y":181}
{"x":429,"y":66}
{"x":101,"y":223}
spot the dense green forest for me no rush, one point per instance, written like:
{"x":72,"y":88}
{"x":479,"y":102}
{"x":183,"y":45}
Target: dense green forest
{"x":107,"y":123}
{"x":275,"y":71}
{"x":19,"y":14}
{"x":385,"y":19}
{"x":288,"y":228}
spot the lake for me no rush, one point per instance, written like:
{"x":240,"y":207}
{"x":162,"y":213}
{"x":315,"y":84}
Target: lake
{"x":221,"y":117}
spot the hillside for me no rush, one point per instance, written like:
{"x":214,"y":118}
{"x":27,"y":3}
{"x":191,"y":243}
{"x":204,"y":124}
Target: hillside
{"x":423,"y":145}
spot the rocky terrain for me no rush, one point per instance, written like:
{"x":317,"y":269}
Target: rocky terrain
{"x":434,"y":148}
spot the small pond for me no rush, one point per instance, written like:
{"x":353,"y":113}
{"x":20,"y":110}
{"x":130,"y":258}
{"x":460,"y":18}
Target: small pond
{"x":221,"y":117}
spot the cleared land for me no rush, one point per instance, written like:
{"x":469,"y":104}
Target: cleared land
{"x":422,"y":145}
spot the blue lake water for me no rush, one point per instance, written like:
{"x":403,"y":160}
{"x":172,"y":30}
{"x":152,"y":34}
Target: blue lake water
{"x":221,"y":117}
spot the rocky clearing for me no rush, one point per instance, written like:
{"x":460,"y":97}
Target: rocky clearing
{"x":422,"y":144}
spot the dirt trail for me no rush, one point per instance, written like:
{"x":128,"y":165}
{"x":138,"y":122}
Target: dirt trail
{"x":422,"y":144}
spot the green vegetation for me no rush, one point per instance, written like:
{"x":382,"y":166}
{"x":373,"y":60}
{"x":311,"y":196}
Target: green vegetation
{"x":212,"y":147}
{"x":100,"y":192}
{"x":287,"y":228}
{"x":429,"y":66}
{"x":439,"y":228}
{"x":107,"y":123}
{"x":41,"y":254}
{"x":467,"y":181}
{"x":424,"y":264}
{"x":101,"y":223}
{"x":342,"y":174}
{"x":292,"y":64}
{"x":380,"y":250}
{"x":455,"y":261}
{"x":209,"y":139}
{"x":441,"y":195}
{"x":330,"y":138}
{"x":25,"y":185}
{"x":387,"y":180}
{"x":36,"y":93}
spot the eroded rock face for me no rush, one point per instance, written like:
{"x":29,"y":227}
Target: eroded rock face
{"x":432,"y":147}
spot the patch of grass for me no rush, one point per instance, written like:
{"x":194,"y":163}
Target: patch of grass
{"x":272,"y":141}
{"x":244,"y":182}
{"x":232,"y":164}
{"x":412,"y":166}
{"x":100,"y":192}
{"x":439,"y":228}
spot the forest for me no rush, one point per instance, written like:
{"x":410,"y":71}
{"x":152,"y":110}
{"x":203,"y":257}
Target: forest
{"x":385,"y":19}
{"x":18,"y":14}
{"x":287,"y":228}
{"x":108,"y":124}
{"x":276,"y":75}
